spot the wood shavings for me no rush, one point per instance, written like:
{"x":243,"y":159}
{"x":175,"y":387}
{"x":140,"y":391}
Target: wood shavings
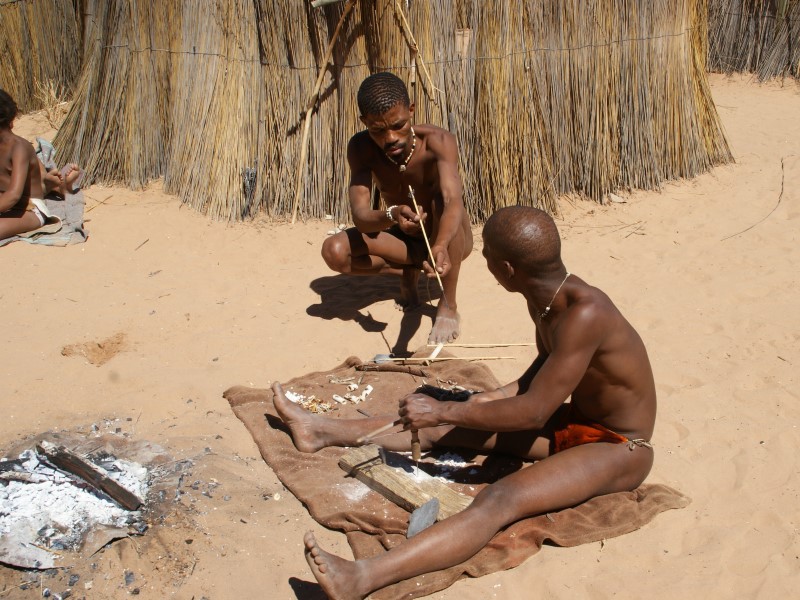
{"x":310,"y":403}
{"x":351,"y":396}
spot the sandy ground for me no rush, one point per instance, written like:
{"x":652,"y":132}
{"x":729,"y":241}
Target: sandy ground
{"x":185,"y":307}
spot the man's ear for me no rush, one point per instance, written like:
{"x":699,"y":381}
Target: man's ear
{"x":509,"y":269}
{"x":363,"y":120}
{"x":411,"y":111}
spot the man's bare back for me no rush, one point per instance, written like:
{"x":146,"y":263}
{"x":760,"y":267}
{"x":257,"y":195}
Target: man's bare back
{"x":598,"y":443}
{"x":398,"y":159}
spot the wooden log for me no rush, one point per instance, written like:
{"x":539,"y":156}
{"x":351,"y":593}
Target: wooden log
{"x":70,"y":462}
{"x":399,"y":481}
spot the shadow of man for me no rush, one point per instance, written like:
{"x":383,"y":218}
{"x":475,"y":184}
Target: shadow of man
{"x":346,"y":296}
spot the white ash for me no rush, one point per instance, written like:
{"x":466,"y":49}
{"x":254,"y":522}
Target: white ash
{"x":449,"y":463}
{"x":57,"y":513}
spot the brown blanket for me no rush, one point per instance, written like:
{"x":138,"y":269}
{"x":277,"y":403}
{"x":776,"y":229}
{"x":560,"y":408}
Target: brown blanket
{"x":373,"y":524}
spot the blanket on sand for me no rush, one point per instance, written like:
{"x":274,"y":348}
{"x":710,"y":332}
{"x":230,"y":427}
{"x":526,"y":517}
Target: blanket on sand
{"x":64,"y":225}
{"x":373,"y":524}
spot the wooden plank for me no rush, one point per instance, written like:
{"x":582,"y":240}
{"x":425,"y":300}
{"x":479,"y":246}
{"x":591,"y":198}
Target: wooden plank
{"x":68,"y":461}
{"x":399,"y":481}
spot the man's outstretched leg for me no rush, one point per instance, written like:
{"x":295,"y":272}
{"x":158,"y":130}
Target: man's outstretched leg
{"x":312,"y":432}
{"x":557,"y":482}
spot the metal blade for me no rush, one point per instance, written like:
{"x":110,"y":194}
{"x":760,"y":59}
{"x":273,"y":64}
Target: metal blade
{"x":423,"y":517}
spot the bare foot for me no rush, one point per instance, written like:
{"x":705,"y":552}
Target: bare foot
{"x":51,"y":180}
{"x":70,"y":177}
{"x":409,"y":298}
{"x":336,"y":576}
{"x":447,"y":325}
{"x":299,"y":421}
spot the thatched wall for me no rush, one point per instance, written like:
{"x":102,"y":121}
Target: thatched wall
{"x":545,"y":97}
{"x":40,"y":48}
{"x":755,"y":36}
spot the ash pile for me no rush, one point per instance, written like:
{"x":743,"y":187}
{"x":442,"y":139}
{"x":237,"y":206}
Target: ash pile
{"x":55,"y":503}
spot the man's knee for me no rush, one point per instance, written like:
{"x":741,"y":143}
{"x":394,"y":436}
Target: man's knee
{"x":498,"y":501}
{"x":336,"y":253}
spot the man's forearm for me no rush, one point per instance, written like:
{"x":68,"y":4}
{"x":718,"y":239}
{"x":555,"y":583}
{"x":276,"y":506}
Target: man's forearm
{"x":449,"y":223}
{"x":517,"y":413}
{"x":372,"y":221}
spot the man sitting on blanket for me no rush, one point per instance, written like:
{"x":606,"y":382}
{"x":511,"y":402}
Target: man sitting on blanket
{"x":20,"y":178}
{"x":598,"y":443}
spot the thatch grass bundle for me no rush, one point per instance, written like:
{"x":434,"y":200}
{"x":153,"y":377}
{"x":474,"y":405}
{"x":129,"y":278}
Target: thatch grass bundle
{"x":545,"y":98}
{"x":40,"y":50}
{"x":755,"y":36}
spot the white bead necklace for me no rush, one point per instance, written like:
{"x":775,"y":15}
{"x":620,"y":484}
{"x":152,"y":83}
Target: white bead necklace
{"x":546,"y":311}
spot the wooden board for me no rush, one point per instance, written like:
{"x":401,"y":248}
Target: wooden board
{"x":397,"y":480}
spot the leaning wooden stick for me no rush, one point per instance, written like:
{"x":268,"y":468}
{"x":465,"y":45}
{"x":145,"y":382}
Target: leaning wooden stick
{"x":378,"y":431}
{"x":427,"y":243}
{"x":310,"y":108}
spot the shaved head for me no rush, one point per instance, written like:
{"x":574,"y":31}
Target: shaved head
{"x":380,"y":92}
{"x":526,"y":237}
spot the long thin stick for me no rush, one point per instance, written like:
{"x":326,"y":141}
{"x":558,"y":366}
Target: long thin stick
{"x":310,"y":107}
{"x":427,"y":243}
{"x":424,"y":359}
{"x":501,"y":345}
{"x":378,"y":431}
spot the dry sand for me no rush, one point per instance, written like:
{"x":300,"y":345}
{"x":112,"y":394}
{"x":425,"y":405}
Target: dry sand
{"x":706,"y":269}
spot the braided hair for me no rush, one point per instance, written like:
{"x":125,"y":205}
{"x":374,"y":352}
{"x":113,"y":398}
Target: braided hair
{"x":380,"y":92}
{"x":8,"y":109}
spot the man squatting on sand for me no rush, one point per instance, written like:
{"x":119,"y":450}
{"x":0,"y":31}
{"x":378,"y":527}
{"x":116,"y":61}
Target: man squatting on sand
{"x":396,"y":156}
{"x":23,"y":178}
{"x":597,"y":443}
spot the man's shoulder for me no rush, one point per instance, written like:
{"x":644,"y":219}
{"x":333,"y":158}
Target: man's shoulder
{"x":360,"y":139}
{"x":433,"y":132}
{"x":22,"y":144}
{"x":361,"y":146}
{"x":437,"y":140}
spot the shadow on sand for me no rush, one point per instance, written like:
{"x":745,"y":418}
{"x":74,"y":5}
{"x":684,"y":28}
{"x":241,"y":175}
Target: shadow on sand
{"x":346,"y":297}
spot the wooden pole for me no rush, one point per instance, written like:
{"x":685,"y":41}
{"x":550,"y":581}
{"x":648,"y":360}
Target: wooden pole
{"x":310,"y":108}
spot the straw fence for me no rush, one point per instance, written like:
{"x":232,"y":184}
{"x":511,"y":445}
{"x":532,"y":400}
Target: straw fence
{"x":755,"y":36}
{"x":545,"y":98}
{"x":40,"y":50}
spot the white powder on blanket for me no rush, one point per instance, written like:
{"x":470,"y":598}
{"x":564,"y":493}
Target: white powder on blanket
{"x":449,"y":463}
{"x":353,"y":490}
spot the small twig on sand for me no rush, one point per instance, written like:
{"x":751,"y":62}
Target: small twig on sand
{"x":99,"y":202}
{"x":780,"y":197}
{"x":142,"y":244}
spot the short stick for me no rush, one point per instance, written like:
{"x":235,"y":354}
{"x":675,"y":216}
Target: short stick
{"x":378,"y":431}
